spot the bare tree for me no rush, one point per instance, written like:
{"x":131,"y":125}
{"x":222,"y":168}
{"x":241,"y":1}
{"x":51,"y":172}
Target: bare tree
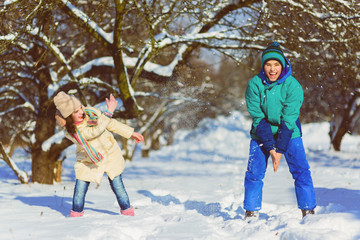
{"x":69,"y":47}
{"x":93,"y":48}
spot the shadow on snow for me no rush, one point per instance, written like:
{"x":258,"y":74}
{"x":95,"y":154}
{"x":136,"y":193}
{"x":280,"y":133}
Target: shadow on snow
{"x":60,"y":204}
{"x":331,"y":159}
{"x":339,"y":199}
{"x":205,"y":209}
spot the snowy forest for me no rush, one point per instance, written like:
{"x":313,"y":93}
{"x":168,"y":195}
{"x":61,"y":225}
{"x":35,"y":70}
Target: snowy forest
{"x":170,"y":62}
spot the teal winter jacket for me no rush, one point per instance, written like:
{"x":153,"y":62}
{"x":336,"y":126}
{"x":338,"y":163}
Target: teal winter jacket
{"x":275,"y":108}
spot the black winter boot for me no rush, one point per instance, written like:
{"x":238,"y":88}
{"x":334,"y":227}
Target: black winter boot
{"x":251,"y":216}
{"x":307,"y":212}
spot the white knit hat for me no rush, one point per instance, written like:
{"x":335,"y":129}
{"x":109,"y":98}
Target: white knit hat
{"x":66,"y":104}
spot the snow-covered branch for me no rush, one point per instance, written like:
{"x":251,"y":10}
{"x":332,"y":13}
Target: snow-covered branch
{"x":98,"y":82}
{"x":24,"y":105}
{"x":321,"y":15}
{"x":52,"y":47}
{"x":172,"y":97}
{"x":22,"y":175}
{"x":153,"y":118}
{"x":8,"y":37}
{"x":11,"y":37}
{"x":27,"y":104}
{"x":85,"y":21}
{"x":57,"y":138}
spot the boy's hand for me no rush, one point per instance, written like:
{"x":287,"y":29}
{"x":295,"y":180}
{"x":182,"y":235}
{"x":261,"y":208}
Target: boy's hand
{"x":137,"y":137}
{"x":275,"y":159}
{"x":111,"y":103}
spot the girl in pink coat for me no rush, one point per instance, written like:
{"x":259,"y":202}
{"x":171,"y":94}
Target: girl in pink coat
{"x":97,"y":151}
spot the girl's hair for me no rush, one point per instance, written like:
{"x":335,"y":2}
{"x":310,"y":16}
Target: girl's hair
{"x":70,"y":126}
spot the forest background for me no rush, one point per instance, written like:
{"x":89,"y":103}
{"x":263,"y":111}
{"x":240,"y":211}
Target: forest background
{"x":170,"y":62}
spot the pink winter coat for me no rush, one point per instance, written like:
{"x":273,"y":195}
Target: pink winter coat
{"x":100,"y":138}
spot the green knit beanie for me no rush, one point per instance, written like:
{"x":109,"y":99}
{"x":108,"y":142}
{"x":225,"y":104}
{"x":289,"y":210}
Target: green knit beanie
{"x":273,"y":52}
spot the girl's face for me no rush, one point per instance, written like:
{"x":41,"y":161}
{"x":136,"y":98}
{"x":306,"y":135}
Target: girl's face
{"x":272,"y":69}
{"x":78,"y":115}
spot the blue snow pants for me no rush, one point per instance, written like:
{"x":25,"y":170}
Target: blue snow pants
{"x":298,"y":166}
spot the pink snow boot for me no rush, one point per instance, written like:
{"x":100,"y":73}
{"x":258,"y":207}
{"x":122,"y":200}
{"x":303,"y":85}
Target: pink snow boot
{"x":129,"y":211}
{"x":76,"y":214}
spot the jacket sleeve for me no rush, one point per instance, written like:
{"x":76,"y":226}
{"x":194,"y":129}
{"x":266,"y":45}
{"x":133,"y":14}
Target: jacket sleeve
{"x":289,"y":115}
{"x":263,"y":131}
{"x":94,"y":131}
{"x":120,"y":128}
{"x":252,"y":97}
{"x":283,"y":139}
{"x":260,"y":126}
{"x":106,"y":122}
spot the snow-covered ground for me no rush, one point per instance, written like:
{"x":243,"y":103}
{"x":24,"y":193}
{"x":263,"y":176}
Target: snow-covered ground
{"x":193,"y":190}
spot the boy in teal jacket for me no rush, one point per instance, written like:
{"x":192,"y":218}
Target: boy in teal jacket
{"x":274,"y":98}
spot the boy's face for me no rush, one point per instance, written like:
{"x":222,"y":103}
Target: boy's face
{"x":78,"y":115}
{"x":272,"y":69}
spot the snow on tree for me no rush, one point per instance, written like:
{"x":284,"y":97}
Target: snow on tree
{"x":142,"y":52}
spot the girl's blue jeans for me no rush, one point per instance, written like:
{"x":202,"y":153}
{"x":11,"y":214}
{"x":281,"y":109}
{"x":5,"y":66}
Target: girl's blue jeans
{"x":117,"y":186}
{"x":298,"y":166}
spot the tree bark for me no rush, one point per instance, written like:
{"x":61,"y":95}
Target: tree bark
{"x":58,"y":170}
{"x":44,"y":162}
{"x":336,"y":141}
{"x":43,"y":165}
{"x":126,"y":91}
{"x":347,"y":122}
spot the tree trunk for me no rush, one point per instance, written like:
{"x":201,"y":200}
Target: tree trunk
{"x":43,"y":165}
{"x":43,"y":162}
{"x":336,"y":140}
{"x":46,"y":166}
{"x":58,"y":170}
{"x":145,"y":149}
{"x":345,"y":122}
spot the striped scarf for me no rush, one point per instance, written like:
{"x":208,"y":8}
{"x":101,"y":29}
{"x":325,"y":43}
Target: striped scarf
{"x":94,"y":156}
{"x":93,"y":117}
